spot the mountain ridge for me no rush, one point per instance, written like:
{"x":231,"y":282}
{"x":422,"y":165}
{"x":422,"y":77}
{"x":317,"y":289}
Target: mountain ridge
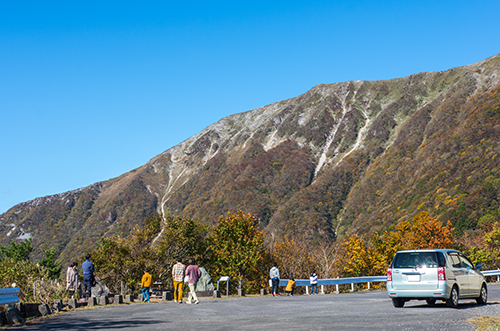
{"x":298,"y":164}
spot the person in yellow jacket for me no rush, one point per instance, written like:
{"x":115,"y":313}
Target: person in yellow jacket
{"x":290,"y":286}
{"x":146,"y":284}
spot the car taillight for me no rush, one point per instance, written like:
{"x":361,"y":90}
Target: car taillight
{"x":441,"y":273}
{"x":389,"y":275}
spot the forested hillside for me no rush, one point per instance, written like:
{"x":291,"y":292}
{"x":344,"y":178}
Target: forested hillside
{"x":343,"y":158}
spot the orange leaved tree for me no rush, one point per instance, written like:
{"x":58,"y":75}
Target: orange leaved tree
{"x":359,"y":259}
{"x":425,"y":232}
{"x":362,"y":258}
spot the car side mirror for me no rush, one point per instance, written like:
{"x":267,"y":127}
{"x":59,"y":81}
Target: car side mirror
{"x":479,"y":266}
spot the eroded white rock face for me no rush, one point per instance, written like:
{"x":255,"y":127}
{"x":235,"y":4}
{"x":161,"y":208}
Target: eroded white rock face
{"x":331,"y":121}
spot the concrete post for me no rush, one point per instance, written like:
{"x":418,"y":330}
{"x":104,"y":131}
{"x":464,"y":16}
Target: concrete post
{"x":118,"y":299}
{"x":166,"y":295}
{"x":91,"y":302}
{"x":129,"y":298}
{"x":44,"y":309}
{"x":58,"y":304}
{"x":72,"y":303}
{"x":216,"y":294}
{"x":263,"y":291}
{"x":103,"y":300}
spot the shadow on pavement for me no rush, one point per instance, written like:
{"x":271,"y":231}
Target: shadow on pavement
{"x":60,"y":324}
{"x":442,"y":305}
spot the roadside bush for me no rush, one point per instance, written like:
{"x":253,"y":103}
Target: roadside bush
{"x":16,"y":268}
{"x":24,"y":274}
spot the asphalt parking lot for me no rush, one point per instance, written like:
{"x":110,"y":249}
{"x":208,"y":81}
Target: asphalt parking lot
{"x":347,"y":311}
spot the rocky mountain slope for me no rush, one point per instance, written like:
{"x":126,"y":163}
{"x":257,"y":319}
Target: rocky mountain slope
{"x":344,"y":157}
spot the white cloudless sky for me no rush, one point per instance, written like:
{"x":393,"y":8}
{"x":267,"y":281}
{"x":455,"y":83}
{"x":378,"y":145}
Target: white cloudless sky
{"x":92,"y":89}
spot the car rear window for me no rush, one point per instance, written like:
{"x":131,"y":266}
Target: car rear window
{"x":417,"y":260}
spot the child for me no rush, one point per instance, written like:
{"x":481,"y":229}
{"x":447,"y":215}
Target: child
{"x":146,"y":284}
{"x":290,"y":286}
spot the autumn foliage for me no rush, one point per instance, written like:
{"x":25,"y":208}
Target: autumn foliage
{"x":237,"y":247}
{"x":373,"y":256}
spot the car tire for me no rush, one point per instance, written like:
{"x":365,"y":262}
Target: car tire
{"x":431,"y":302}
{"x":483,"y":296}
{"x":398,"y":302}
{"x":453,"y":300}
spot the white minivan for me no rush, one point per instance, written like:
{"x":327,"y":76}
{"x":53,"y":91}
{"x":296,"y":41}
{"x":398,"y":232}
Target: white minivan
{"x":434,"y":274}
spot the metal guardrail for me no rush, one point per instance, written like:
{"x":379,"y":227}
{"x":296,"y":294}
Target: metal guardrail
{"x":364,"y":279}
{"x":9,"y":295}
{"x":337,"y":281}
{"x":491,"y":272}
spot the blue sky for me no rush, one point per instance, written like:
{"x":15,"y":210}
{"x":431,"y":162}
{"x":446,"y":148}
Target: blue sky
{"x":90,"y":89}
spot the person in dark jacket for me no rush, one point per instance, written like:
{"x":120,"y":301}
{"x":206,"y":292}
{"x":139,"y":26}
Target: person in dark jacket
{"x":88,"y":275}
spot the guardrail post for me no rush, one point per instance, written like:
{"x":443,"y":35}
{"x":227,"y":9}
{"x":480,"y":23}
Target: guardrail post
{"x":307,"y":289}
{"x":337,"y":286}
{"x":352,"y":287}
{"x":368,"y":285}
{"x":322,"y":289}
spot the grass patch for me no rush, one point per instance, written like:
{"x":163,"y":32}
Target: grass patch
{"x":487,"y":323}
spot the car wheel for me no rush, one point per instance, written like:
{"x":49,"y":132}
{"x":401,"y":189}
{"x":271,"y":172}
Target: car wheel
{"x":398,"y":302}
{"x":431,"y":302}
{"x":483,"y":296}
{"x":453,"y":300}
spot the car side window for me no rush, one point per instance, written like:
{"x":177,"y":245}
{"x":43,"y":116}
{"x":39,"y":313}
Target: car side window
{"x":455,"y":261}
{"x":441,"y":260}
{"x":465,"y":262}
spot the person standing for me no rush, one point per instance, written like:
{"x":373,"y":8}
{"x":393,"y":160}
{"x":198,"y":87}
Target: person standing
{"x":194,"y":274}
{"x":146,"y":284}
{"x":274,"y":274}
{"x":178,"y":277}
{"x":72,"y":277}
{"x":88,"y":276}
{"x":313,"y":279}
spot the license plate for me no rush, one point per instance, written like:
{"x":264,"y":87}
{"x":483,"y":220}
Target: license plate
{"x":413,"y":278}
